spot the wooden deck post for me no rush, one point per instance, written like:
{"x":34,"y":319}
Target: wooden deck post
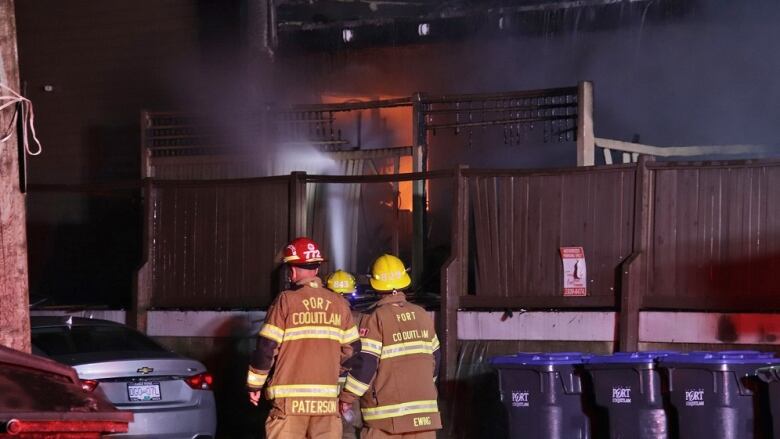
{"x":142,"y":288}
{"x":586,"y":146}
{"x":14,"y":311}
{"x":298,"y":204}
{"x":454,"y":279}
{"x":419,"y":164}
{"x":633,"y":282}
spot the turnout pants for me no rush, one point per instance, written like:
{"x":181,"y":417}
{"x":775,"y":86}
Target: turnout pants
{"x":300,"y":427}
{"x":375,"y":433}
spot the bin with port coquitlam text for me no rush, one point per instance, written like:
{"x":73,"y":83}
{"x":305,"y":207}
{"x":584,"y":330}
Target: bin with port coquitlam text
{"x":627,"y":391}
{"x":715,"y":395}
{"x":543,"y":395}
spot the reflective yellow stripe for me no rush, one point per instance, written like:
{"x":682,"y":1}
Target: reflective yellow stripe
{"x":355,"y":386}
{"x":271,"y":332}
{"x":299,"y":390}
{"x":371,"y":346}
{"x":350,"y":335}
{"x":395,"y":410}
{"x":318,"y":332}
{"x":435,"y":342}
{"x":410,"y":348}
{"x":255,"y":379}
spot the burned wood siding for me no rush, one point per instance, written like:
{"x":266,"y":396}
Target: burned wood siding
{"x":714,"y":237}
{"x":521,"y":221}
{"x":215,"y":245}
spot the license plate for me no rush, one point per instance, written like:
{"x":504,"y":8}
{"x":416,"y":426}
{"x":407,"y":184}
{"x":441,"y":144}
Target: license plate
{"x":144,"y":392}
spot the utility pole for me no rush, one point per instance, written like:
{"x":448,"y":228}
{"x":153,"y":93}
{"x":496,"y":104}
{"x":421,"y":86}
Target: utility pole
{"x":14,"y":297}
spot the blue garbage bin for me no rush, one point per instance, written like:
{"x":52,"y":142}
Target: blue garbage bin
{"x":543,"y":395}
{"x":714,"y":394}
{"x":627,"y":390}
{"x":771,"y":376}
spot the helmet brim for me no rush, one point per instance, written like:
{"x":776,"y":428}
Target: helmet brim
{"x":397,"y":284}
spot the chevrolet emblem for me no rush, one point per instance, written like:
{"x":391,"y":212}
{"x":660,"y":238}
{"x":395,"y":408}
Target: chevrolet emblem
{"x":145,"y":370}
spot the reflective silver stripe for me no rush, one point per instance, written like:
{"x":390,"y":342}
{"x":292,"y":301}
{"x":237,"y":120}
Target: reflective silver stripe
{"x":350,"y":335}
{"x":355,"y":386}
{"x":321,"y":332}
{"x":256,"y":379}
{"x":272,"y":332}
{"x":435,"y":342}
{"x":298,"y":390}
{"x":410,"y":348}
{"x":371,"y":346}
{"x":395,"y":410}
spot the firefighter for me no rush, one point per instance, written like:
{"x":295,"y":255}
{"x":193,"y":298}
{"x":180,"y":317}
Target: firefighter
{"x":341,"y":282}
{"x":308,"y":333}
{"x":344,"y":284}
{"x":395,"y":372}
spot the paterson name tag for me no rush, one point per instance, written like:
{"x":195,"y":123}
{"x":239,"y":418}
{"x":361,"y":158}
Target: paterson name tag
{"x":147,"y":391}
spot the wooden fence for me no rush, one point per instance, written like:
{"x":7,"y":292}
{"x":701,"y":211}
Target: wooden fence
{"x":668,"y":236}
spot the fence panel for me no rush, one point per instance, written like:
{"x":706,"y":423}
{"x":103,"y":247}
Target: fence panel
{"x":522,"y":219}
{"x":215,"y":244}
{"x":715,"y":242}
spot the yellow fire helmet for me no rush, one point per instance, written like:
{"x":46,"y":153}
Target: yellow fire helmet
{"x":341,"y":282}
{"x":388,"y":273}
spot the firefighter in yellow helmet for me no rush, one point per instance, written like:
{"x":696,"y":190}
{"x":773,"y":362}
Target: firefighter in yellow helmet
{"x":344,"y":283}
{"x":397,"y":399}
{"x":341,"y":282}
{"x":306,"y":338}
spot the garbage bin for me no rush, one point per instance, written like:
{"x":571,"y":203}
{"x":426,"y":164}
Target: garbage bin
{"x":543,"y":395}
{"x":627,"y":389}
{"x":713,"y":394}
{"x":771,"y":376}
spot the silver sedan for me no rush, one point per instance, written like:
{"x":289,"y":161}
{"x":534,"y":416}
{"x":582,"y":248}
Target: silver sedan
{"x":170,"y":395}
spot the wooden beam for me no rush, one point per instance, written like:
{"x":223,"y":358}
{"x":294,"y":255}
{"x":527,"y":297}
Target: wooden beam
{"x":354,"y":199}
{"x":396,"y":212}
{"x":535,"y":302}
{"x":607,"y":156}
{"x":146,"y":153}
{"x":633,"y":279}
{"x":630,"y":303}
{"x":377,"y":153}
{"x":143,"y":284}
{"x":586,"y":147}
{"x":681,"y":151}
{"x":298,"y":205}
{"x":454,"y":281}
{"x":419,"y":164}
{"x":14,"y":295}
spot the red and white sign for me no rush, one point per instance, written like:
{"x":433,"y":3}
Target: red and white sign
{"x":575,"y":275}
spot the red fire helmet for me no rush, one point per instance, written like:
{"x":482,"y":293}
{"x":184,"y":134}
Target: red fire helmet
{"x":302,"y":251}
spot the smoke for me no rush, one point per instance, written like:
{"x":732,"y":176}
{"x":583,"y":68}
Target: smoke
{"x":703,"y":75}
{"x":336,"y":195}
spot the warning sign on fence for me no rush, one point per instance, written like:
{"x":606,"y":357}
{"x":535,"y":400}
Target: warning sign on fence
{"x":575,"y":276}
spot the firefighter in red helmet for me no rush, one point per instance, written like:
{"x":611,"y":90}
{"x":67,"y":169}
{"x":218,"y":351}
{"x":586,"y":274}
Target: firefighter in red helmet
{"x":307,"y":335}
